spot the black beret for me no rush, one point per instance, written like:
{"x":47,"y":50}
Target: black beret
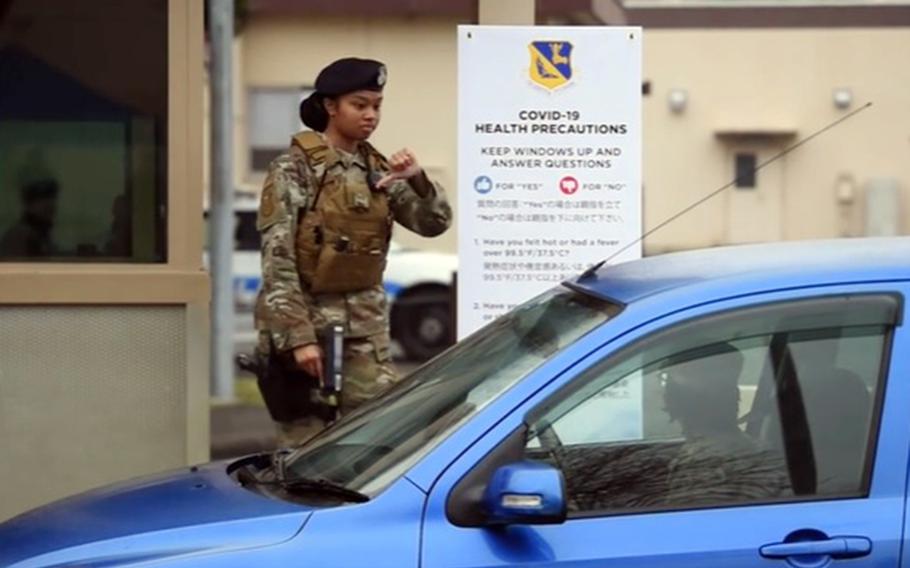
{"x":351,"y":74}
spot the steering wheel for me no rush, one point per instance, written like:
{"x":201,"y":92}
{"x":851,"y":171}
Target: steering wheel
{"x":553,"y":446}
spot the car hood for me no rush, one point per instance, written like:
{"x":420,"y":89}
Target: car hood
{"x":192,"y":511}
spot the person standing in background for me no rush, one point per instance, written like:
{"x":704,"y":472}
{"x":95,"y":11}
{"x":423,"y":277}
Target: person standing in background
{"x":326,"y":215}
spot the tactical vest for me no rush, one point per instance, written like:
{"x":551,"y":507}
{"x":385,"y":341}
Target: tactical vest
{"x":343,"y":235}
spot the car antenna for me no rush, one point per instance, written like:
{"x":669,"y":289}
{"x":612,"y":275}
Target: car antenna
{"x":593,"y":269}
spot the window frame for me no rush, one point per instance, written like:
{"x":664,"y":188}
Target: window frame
{"x":301,"y":91}
{"x":889,"y":303}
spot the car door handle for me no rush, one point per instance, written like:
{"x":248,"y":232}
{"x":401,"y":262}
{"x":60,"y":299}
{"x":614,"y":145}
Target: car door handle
{"x":838,"y":547}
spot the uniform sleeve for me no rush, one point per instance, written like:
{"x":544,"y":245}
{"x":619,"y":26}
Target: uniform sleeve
{"x":282,"y":308}
{"x":421,"y":206}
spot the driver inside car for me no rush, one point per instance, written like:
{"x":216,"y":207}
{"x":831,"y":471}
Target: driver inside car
{"x":717,"y":463}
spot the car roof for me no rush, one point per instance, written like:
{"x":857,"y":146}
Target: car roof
{"x":752,"y":268}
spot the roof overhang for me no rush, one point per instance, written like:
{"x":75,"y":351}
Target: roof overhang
{"x":763,"y":132}
{"x":740,"y":4}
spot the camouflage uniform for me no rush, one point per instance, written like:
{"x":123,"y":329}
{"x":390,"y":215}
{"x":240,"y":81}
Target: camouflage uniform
{"x":290,"y":315}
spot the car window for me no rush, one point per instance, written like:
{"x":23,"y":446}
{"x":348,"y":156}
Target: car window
{"x":759,"y":406}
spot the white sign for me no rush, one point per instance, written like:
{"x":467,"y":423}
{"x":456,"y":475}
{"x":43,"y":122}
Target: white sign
{"x":549,"y":159}
{"x":615,"y":414}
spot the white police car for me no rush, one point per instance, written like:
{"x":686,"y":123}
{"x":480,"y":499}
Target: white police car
{"x":418,"y":284}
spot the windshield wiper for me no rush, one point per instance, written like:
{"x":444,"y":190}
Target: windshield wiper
{"x":321,"y":484}
{"x":313,"y":485}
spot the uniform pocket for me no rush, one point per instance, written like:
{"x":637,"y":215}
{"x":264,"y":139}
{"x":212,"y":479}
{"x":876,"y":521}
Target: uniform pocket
{"x":342,"y":271}
{"x":382,"y":346}
{"x":308,"y":243}
{"x":357,"y":197}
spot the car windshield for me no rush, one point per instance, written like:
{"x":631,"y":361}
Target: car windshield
{"x":377,"y":443}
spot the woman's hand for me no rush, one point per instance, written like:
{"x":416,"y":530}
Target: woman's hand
{"x":404,"y":166}
{"x":309,"y":359}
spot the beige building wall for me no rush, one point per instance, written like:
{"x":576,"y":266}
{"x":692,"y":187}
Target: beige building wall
{"x":751,"y":90}
{"x":777,"y":85}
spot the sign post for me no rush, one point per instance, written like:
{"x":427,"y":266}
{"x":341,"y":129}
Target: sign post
{"x":549,"y":159}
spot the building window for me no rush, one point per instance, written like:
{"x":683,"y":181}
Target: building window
{"x":274,"y":117}
{"x":745,"y":170}
{"x":83,"y":131}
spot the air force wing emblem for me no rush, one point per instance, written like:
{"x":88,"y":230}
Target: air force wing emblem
{"x":551,"y":63}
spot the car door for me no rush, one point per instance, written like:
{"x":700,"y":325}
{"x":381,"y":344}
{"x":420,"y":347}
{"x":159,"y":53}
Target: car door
{"x":753,"y":432}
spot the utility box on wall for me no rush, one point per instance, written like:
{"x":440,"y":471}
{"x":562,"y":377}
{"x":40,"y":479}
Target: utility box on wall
{"x":883,"y":208}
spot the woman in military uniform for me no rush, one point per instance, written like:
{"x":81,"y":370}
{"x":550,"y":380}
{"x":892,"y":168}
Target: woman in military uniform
{"x":326,"y":215}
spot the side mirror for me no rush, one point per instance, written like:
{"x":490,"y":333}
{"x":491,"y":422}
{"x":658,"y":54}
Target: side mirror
{"x":526,"y":493}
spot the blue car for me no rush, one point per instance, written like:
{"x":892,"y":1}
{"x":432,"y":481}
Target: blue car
{"x":724,"y":408}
